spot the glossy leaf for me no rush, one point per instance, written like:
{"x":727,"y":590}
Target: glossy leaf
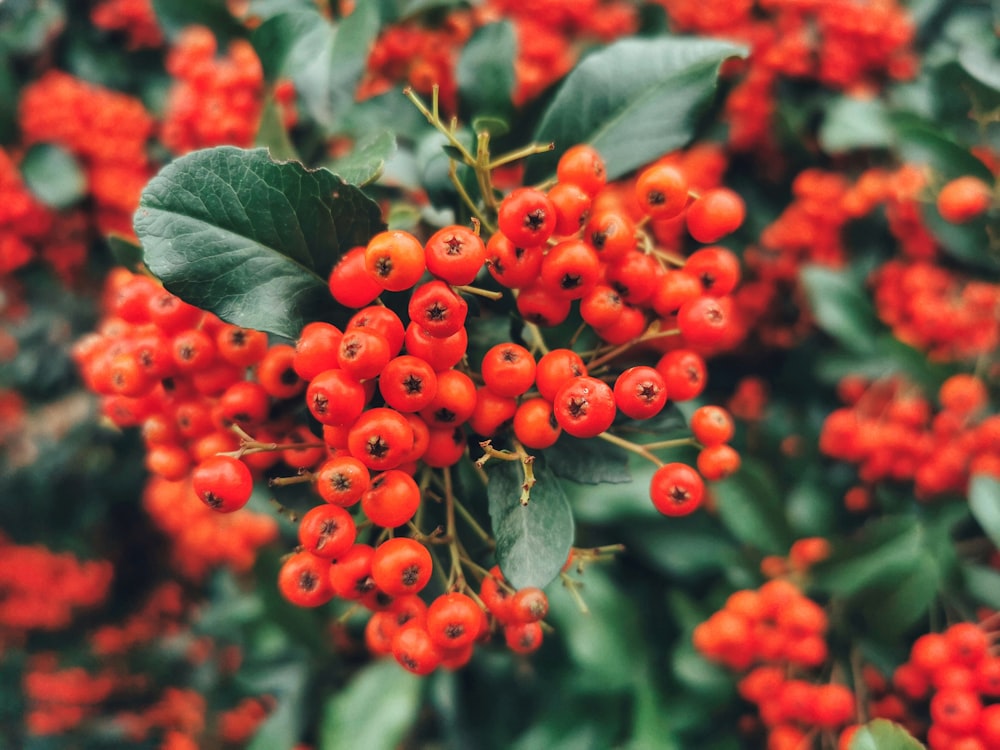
{"x":366,"y":160}
{"x":288,"y":683}
{"x":894,"y":606}
{"x":53,"y":175}
{"x":125,"y":251}
{"x":323,"y":60}
{"x":272,"y":134}
{"x":250,"y":239}
{"x":880,"y":553}
{"x":984,"y":502}
{"x":883,"y":735}
{"x":375,"y":710}
{"x":983,"y":584}
{"x":841,"y":307}
{"x":851,"y":123}
{"x":485,"y":70}
{"x":174,"y":16}
{"x":633,"y":101}
{"x":533,"y":540}
{"x":749,"y":504}
{"x":588,"y":461}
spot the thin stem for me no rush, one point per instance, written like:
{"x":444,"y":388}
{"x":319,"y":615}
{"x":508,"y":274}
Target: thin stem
{"x":651,"y":333}
{"x":434,"y":119}
{"x":521,"y":153}
{"x":538,"y":339}
{"x":478,"y":292}
{"x":456,"y":577}
{"x":574,"y":591}
{"x":464,"y":195}
{"x":474,"y":525}
{"x":303,"y":478}
{"x":675,"y":443}
{"x":628,"y":445}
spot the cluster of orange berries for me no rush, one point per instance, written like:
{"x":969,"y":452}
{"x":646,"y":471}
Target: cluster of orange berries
{"x":105,"y":130}
{"x":771,"y":633}
{"x":215,"y":100}
{"x":60,"y":699}
{"x":181,"y":375}
{"x":136,"y":19}
{"x":893,"y":433}
{"x":958,"y":672}
{"x":385,"y":412}
{"x":938,"y":310}
{"x":842,"y":45}
{"x":24,"y":221}
{"x":546,"y":32}
{"x":41,"y":589}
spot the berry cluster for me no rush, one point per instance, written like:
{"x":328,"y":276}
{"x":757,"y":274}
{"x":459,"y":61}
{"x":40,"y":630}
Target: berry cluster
{"x":24,"y":222}
{"x":60,"y":699}
{"x":891,"y":431}
{"x":958,"y":672}
{"x":214,"y":100}
{"x":770,"y":633}
{"x":105,"y":130}
{"x":397,"y":400}
{"x":136,"y":19}
{"x":41,"y":589}
{"x":843,"y":45}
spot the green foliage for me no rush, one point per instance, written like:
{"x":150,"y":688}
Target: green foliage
{"x":250,"y":239}
{"x":883,"y":735}
{"x":533,"y":540}
{"x":632,"y":101}
{"x":841,"y":307}
{"x":486,"y":71}
{"x":984,"y":501}
{"x":53,"y":175}
{"x":750,"y":506}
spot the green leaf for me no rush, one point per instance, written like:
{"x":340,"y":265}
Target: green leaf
{"x":686,"y":548}
{"x":883,"y":735}
{"x":324,"y":61}
{"x":750,"y":506}
{"x":174,"y":16}
{"x":614,"y":503}
{"x":250,"y":239}
{"x":880,"y":553}
{"x":28,"y":26}
{"x":287,"y":683}
{"x":588,"y":461}
{"x":485,"y":70}
{"x":366,"y":161}
{"x":126,"y":251}
{"x":842,"y":308}
{"x":982,"y":62}
{"x":605,"y":645}
{"x":921,"y":143}
{"x":984,"y":502}
{"x":983,"y":584}
{"x":272,"y":135}
{"x":533,"y":540}
{"x":852,"y":123}
{"x":53,"y":175}
{"x":376,"y":710}
{"x":634,"y":101}
{"x":895,"y":606}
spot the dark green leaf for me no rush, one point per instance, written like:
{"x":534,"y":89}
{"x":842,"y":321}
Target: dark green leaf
{"x":984,"y":502}
{"x":811,"y":505}
{"x":373,"y":114}
{"x":588,"y":461}
{"x":633,"y":101}
{"x":852,"y":123}
{"x":842,"y":308}
{"x":125,"y":251}
{"x":288,"y":684}
{"x":921,"y":143}
{"x":688,"y":547}
{"x":883,"y":735}
{"x":750,"y":506}
{"x":611,"y":503}
{"x":533,"y":540}
{"x":485,"y":70}
{"x":252,"y":240}
{"x":325,"y":62}
{"x":375,"y":710}
{"x":983,"y":584}
{"x":28,"y":25}
{"x":889,"y":356}
{"x":982,"y":62}
{"x":364,"y":164}
{"x":495,"y":126}
{"x":416,"y":7}
{"x":53,"y":175}
{"x":880,"y":553}
{"x":892,"y":608}
{"x":605,"y":645}
{"x":272,"y":134}
{"x":174,"y":16}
